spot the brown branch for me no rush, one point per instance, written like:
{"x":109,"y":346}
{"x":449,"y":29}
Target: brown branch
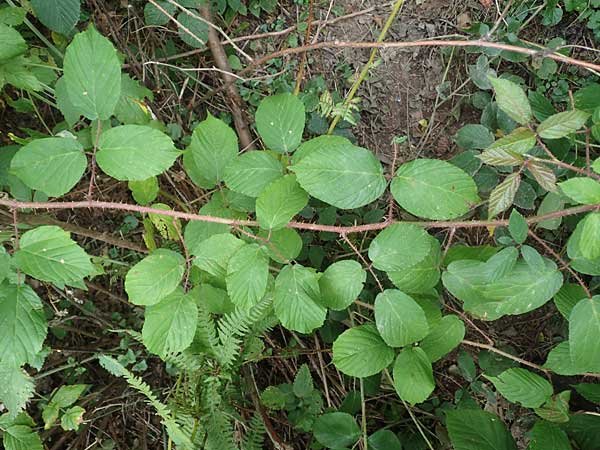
{"x":236,"y":102}
{"x":31,"y":219}
{"x":93,"y":169}
{"x":493,"y":349}
{"x":364,"y":261}
{"x":341,"y":230}
{"x":547,"y":53}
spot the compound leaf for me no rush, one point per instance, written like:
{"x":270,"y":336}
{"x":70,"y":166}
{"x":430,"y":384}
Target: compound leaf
{"x":471,"y":429}
{"x":250,"y":172}
{"x":399,"y":246}
{"x":512,"y":100}
{"x":58,"y":15}
{"x":562,"y":124}
{"x":522,"y":386}
{"x":280,"y":122}
{"x":584,"y":334}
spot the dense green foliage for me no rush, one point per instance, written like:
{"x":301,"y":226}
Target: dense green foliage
{"x":213,"y":288}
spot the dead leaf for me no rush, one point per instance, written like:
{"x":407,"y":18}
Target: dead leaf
{"x":486,"y":3}
{"x":463,"y":21}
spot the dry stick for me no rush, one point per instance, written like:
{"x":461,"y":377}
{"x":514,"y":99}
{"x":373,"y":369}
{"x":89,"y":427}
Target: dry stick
{"x":365,"y":70}
{"x":340,"y":230}
{"x":252,"y":37}
{"x":362,"y":258}
{"x":207,"y":20}
{"x":93,"y":169}
{"x":300,"y":74}
{"x":556,"y":256}
{"x":545,"y":52}
{"x":493,"y":349}
{"x":31,"y":219}
{"x":236,"y":102}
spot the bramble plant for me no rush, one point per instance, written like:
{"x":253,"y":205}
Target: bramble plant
{"x":213,"y":282}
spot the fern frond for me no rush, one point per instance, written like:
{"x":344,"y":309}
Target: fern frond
{"x":163,"y":411}
{"x":235,"y":326}
{"x":255,"y":436}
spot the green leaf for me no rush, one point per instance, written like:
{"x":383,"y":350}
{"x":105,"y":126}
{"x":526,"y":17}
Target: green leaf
{"x":434,"y":189}
{"x":251,"y":172}
{"x":556,"y":409}
{"x":512,"y":100}
{"x":400,"y":320}
{"x":519,"y":141}
{"x":400,"y":246}
{"x":170,"y":325}
{"x":413,"y":375}
{"x":213,"y":299}
{"x":16,"y":388}
{"x":589,"y":391}
{"x":341,"y":284}
{"x":303,"y":383}
{"x":589,"y":241}
{"x":568,"y":296}
{"x":23,"y":324}
{"x":153,"y":16}
{"x":345,"y":177}
{"x":552,"y":202}
{"x":92,"y":74}
{"x":68,"y":394}
{"x":247,"y":276}
{"x":197,"y":27}
{"x":51,"y":165}
{"x":285,"y":244}
{"x":503,"y":195}
{"x":12,"y":15}
{"x":135,"y":152}
{"x":336,"y":430}
{"x":58,"y":15}
{"x":327,"y":141}
{"x":279,"y":202}
{"x":501,"y":285}
{"x":214,"y":145}
{"x":471,"y":429}
{"x":584,"y":334}
{"x":48,"y":254}
{"x":517,"y":226}
{"x":562,"y":124}
{"x":213,"y":254}
{"x":559,"y":361}
{"x":543,"y":174}
{"x":384,"y":440}
{"x":144,"y":191}
{"x":581,"y":190}
{"x":280,"y":122}
{"x":421,"y":277}
{"x":547,"y":436}
{"x":474,"y":137}
{"x":522,"y":386}
{"x":360,"y":352}
{"x":131,"y":108}
{"x":70,"y":112}
{"x":72,"y":418}
{"x":154,"y":277}
{"x":444,"y":337}
{"x":13,"y":43}
{"x":197,"y":231}
{"x":21,"y":437}
{"x":297,"y":299}
{"x":50,"y":415}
